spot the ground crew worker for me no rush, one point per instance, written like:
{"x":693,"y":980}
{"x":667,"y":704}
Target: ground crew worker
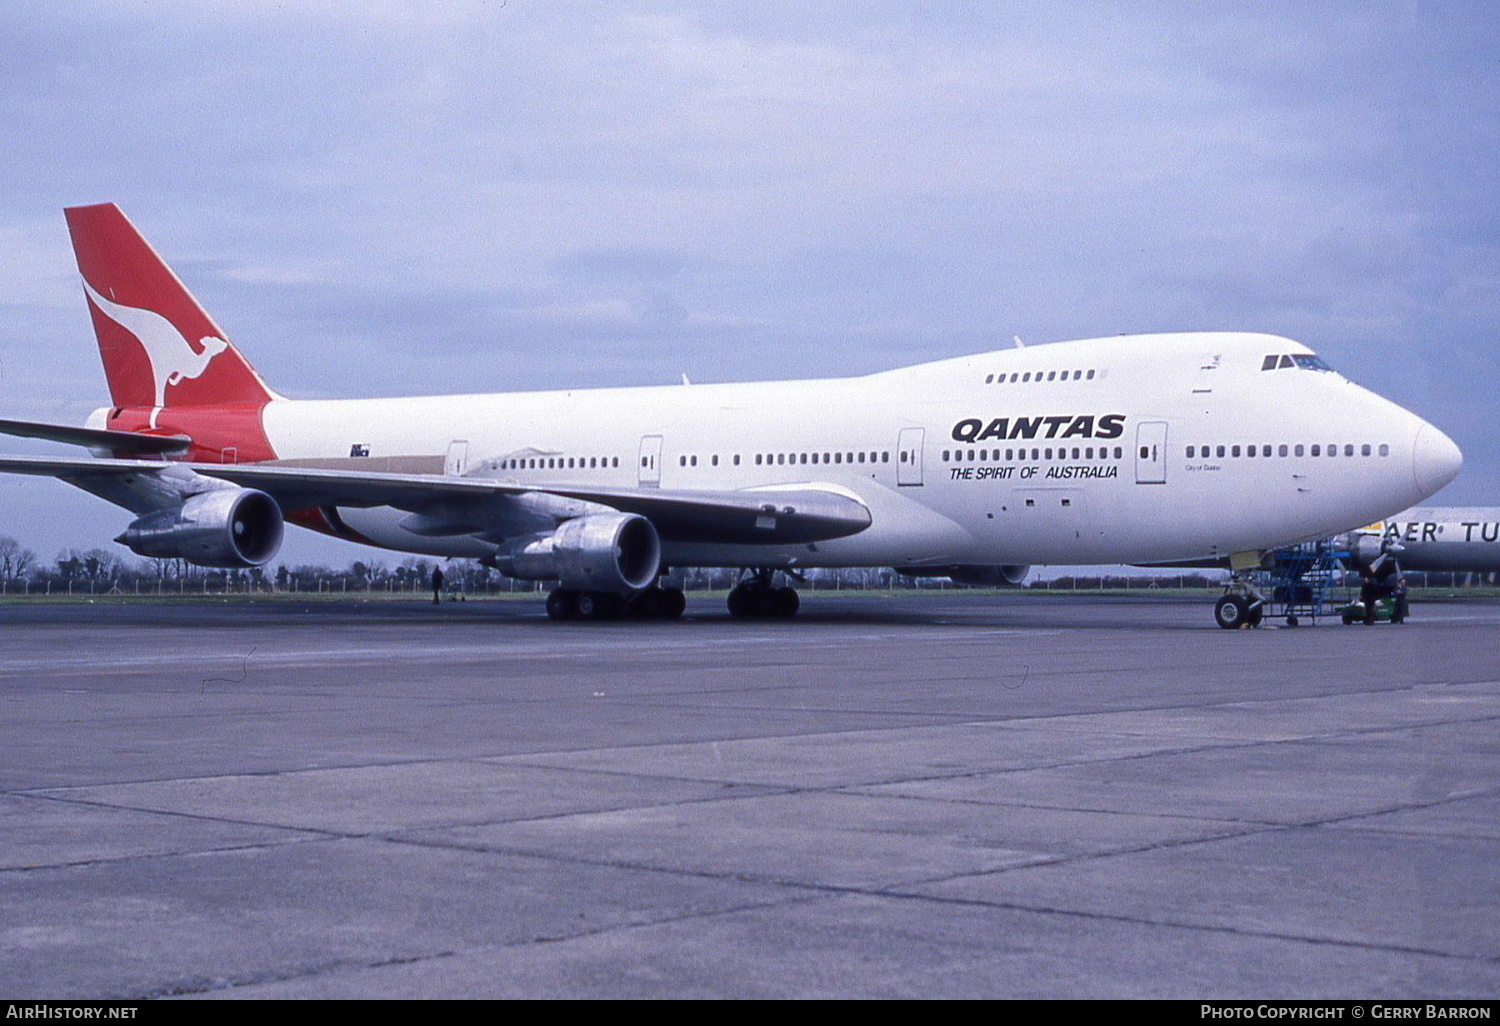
{"x":1399,"y":613}
{"x":1368,"y":592}
{"x":437,"y":584}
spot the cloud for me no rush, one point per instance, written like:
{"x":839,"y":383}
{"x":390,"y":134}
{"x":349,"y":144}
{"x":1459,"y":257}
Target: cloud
{"x":402,"y":197}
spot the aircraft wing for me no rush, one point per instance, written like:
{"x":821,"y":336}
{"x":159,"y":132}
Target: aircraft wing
{"x":791,"y":514}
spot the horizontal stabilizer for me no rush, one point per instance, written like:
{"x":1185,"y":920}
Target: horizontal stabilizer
{"x":96,"y":438}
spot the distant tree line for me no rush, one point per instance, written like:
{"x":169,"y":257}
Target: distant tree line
{"x":101,"y":571}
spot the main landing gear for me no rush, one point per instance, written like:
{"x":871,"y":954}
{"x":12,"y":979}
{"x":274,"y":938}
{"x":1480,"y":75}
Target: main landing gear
{"x":759,"y":597}
{"x":653,"y":603}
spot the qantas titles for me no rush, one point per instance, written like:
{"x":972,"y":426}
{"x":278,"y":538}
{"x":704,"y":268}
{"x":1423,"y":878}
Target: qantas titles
{"x":1111,"y":425}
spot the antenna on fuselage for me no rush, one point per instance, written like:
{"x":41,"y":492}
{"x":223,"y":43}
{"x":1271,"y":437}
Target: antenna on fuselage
{"x":1019,"y":343}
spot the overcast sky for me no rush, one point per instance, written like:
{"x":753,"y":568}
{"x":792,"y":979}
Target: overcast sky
{"x":382,"y":199}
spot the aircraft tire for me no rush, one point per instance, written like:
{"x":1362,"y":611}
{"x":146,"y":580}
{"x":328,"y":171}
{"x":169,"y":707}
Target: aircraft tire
{"x":599,"y":605}
{"x":764,"y":602}
{"x":741,"y":601}
{"x":673,"y":603}
{"x":1232,"y":612}
{"x":785,"y":602}
{"x":648,"y":604}
{"x":562,"y":604}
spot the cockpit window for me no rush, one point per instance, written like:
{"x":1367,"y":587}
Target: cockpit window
{"x":1302,"y":361}
{"x":1309,"y":362}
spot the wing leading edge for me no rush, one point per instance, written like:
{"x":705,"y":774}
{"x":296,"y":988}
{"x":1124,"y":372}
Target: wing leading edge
{"x":791,"y":514}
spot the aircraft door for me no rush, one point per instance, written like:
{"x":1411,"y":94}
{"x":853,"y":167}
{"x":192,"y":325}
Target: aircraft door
{"x":650,"y":466}
{"x":1151,"y":452}
{"x":457,"y":460}
{"x":909,"y":457}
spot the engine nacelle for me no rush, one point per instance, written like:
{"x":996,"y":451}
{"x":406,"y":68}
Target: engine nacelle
{"x":610,"y":552}
{"x":1373,"y":554}
{"x":974,"y":575}
{"x":1006,"y":576}
{"x":230,"y":528}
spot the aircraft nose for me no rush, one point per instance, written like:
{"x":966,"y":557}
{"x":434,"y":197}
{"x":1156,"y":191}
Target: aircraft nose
{"x":1435,"y":460}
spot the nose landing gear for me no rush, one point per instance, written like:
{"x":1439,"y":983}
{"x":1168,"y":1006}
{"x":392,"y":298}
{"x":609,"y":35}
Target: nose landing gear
{"x":1234,"y":611}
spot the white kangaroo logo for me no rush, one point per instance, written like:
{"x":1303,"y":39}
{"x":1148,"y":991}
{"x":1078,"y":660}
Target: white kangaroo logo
{"x":172,"y":357}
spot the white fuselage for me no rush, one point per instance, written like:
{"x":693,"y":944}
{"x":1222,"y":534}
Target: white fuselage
{"x":1129,"y":449}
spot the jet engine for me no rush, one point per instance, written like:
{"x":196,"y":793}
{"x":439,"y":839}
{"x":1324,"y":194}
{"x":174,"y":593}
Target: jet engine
{"x":225,"y":527}
{"x":601,"y":552}
{"x":974,"y":575}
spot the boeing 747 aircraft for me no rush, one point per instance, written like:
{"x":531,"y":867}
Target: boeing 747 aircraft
{"x":1131,"y":449}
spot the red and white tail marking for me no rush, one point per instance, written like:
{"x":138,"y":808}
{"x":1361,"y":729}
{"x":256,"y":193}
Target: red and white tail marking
{"x":159,"y":347}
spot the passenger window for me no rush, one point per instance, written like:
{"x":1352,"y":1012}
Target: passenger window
{"x":1364,"y":450}
{"x":1091,"y":376}
{"x":1385,"y":450}
{"x":1348,"y":449}
{"x":1234,"y":450}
